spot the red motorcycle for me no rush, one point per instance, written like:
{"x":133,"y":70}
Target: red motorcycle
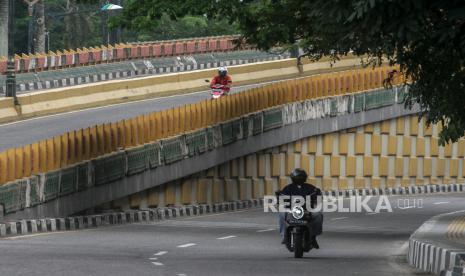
{"x":217,"y":91}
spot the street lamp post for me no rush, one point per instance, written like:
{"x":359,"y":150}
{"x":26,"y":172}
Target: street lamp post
{"x":30,"y":28}
{"x":10,"y":71}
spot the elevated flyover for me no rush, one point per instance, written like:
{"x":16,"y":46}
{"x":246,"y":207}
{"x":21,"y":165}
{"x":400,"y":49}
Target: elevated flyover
{"x":351,"y":133}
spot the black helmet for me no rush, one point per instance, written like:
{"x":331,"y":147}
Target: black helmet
{"x":298,"y":176}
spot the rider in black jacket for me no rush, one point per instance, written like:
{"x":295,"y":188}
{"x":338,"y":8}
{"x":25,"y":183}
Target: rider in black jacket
{"x":299,"y":187}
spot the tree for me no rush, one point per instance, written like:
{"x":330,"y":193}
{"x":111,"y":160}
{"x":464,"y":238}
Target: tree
{"x":39,"y":35}
{"x":426,"y":38}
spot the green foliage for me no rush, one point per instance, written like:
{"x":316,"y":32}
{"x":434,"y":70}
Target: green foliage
{"x":79,"y":23}
{"x":188,"y":26}
{"x":426,"y":38}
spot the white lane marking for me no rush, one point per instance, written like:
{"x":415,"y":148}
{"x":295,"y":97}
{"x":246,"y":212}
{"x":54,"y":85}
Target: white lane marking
{"x":225,"y":238}
{"x":441,"y":202}
{"x":47,"y":233}
{"x":157,"y":263}
{"x":219,"y":214}
{"x":160,"y":253}
{"x":373,"y":213}
{"x":186,"y":245}
{"x":153,"y":259}
{"x":407,"y":207}
{"x":339,"y":218}
{"x":181,"y":274}
{"x":265,"y":230}
{"x":403,"y":249}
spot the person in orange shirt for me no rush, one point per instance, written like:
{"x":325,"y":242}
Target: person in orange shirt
{"x":222,"y":79}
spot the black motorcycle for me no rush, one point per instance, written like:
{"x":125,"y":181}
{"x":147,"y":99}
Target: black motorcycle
{"x":298,"y":231}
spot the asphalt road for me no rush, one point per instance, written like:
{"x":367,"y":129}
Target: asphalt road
{"x":237,"y":243}
{"x":29,"y":131}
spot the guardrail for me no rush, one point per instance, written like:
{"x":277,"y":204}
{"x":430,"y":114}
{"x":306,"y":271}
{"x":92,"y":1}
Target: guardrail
{"x":118,"y":52}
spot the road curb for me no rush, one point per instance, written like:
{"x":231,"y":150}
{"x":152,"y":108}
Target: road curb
{"x":33,"y":226}
{"x":437,"y":246}
{"x":436,"y":259}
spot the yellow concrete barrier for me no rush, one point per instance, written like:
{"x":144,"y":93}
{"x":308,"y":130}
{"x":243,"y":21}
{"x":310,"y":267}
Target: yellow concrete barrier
{"x":8,"y":111}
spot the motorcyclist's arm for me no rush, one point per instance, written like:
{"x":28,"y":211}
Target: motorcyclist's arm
{"x":229,"y":83}
{"x":213,"y":83}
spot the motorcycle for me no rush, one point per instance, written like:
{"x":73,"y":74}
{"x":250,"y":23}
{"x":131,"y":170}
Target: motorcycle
{"x":217,"y":91}
{"x":298,"y":231}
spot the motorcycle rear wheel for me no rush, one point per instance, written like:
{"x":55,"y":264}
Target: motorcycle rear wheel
{"x":298,"y":245}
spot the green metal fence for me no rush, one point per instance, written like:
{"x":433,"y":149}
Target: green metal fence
{"x":257,"y":120}
{"x":401,"y":94}
{"x":34,"y":191}
{"x":172,"y":150}
{"x":83,"y":176}
{"x":272,"y":118}
{"x":51,"y":185}
{"x":236,"y":126}
{"x":10,"y":197}
{"x":109,"y":168}
{"x":377,"y":99}
{"x":137,"y":160}
{"x":227,"y":135}
{"x":350,"y":101}
{"x":210,"y":138}
{"x":22,"y":192}
{"x":196,"y":142}
{"x":246,"y":122}
{"x":333,"y":107}
{"x":359,"y":102}
{"x":153,"y":154}
{"x":68,"y":180}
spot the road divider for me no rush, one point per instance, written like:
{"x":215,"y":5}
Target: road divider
{"x":118,"y":91}
{"x":8,"y":112}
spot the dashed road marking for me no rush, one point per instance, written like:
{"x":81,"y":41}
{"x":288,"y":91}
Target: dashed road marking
{"x":441,"y":202}
{"x":153,"y":258}
{"x":160,"y":253}
{"x":339,"y":218}
{"x":157,"y":263}
{"x":181,"y":274}
{"x":265,"y":230}
{"x":373,"y":213}
{"x":225,"y":238}
{"x":186,"y":245}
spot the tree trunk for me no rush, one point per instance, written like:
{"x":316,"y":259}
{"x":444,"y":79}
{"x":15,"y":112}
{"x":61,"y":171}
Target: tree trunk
{"x":39,"y":39}
{"x":3,"y":28}
{"x":70,"y":24}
